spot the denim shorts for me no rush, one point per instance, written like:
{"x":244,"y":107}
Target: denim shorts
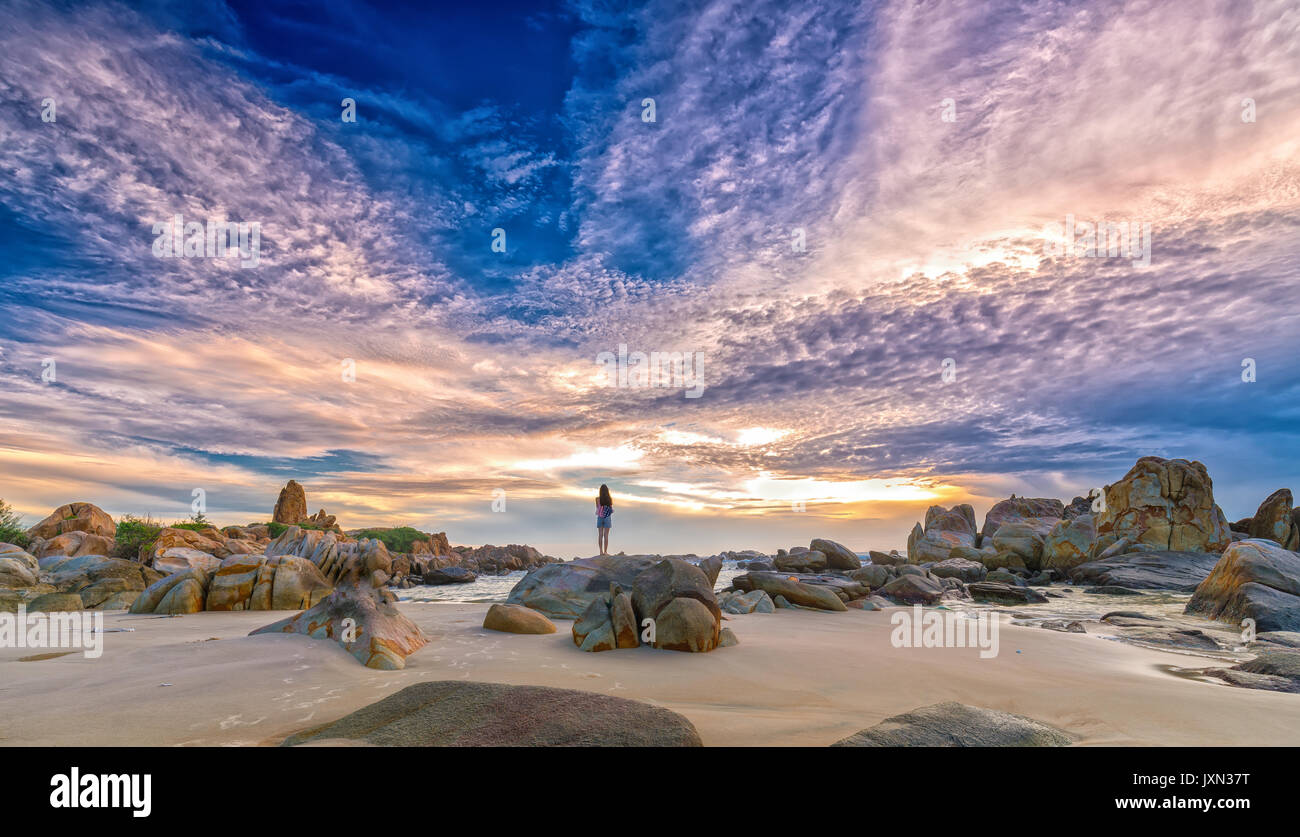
{"x":604,"y":522}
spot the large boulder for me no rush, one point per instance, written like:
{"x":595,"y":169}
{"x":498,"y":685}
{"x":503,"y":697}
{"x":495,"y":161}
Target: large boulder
{"x":807,"y":561}
{"x":565,"y":590}
{"x":838,"y":556}
{"x":72,"y":545}
{"x":363,"y":620}
{"x":75,"y":517}
{"x":953,"y":724}
{"x":914,"y":588}
{"x":517,"y":619}
{"x":18,"y":568}
{"x":467,"y":714}
{"x":180,"y":558}
{"x":210,"y":540}
{"x":794,"y":591}
{"x":1038,"y":513}
{"x":1021,"y":539}
{"x":1275,"y":521}
{"x":1147,"y":570}
{"x":944,"y":531}
{"x":258,"y":582}
{"x":1254,"y":579}
{"x":291,"y":507}
{"x":182,"y":592}
{"x":71,"y":574}
{"x":958,"y":568}
{"x":1069,"y":543}
{"x":1167,"y":504}
{"x":686,"y":624}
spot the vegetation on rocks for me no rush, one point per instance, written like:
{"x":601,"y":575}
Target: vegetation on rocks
{"x":11,"y":528}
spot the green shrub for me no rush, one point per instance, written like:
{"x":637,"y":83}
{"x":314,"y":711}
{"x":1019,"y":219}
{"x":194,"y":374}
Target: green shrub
{"x":277,"y":529}
{"x":400,"y":539}
{"x":11,"y":527}
{"x":133,"y":534}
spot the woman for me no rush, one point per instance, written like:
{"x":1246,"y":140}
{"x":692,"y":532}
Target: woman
{"x":604,"y":511}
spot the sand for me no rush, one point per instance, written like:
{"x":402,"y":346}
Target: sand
{"x":797,"y":678}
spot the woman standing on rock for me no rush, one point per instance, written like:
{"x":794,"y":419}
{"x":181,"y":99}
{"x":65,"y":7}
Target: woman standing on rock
{"x":604,"y":513}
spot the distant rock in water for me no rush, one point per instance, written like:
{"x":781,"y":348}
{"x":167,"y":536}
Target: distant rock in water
{"x":953,"y":724}
{"x":468,"y":714}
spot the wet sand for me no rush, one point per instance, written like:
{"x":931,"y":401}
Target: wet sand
{"x":797,"y":678}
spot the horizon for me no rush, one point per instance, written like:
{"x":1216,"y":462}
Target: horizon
{"x":862,"y":239}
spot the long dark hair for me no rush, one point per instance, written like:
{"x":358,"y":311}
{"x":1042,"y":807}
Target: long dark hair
{"x":605,"y":499}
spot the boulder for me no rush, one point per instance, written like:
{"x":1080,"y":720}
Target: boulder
{"x":1038,"y":513}
{"x":564,"y":590}
{"x":1254,"y":579}
{"x":75,"y":517}
{"x":686,"y":624}
{"x":258,"y":582}
{"x":887,"y":559}
{"x":1167,"y":504}
{"x":449,"y":575}
{"x":872,"y":575}
{"x":671,"y":579}
{"x":468,"y":714}
{"x":182,"y":592}
{"x":914,"y":589}
{"x":755,"y":601}
{"x":1149,"y":570}
{"x":1069,"y":543}
{"x":791,"y":590}
{"x":952,"y":724}
{"x":807,"y":561}
{"x":944,"y":531}
{"x":1002,"y":593}
{"x":838,"y":556}
{"x":363,"y":620}
{"x":1021,"y":539}
{"x":52,"y":602}
{"x":1275,"y":521}
{"x":516,"y":619}
{"x":71,"y":574}
{"x":72,"y":545}
{"x":594,"y":630}
{"x":291,"y":507}
{"x":18,"y":568}
{"x":180,"y":558}
{"x":961,"y":569}
{"x":711,"y":567}
{"x":209,"y":540}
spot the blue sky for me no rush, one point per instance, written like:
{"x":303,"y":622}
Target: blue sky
{"x":475,"y":370}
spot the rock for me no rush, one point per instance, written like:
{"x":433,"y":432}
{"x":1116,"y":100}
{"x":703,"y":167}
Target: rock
{"x":753,"y":601}
{"x":1283,"y":639}
{"x":952,"y":724}
{"x":654,"y":588}
{"x":256,"y":582}
{"x":807,"y":561}
{"x":18,"y":568}
{"x":1275,"y":521}
{"x":838,"y":556}
{"x":913,"y":589}
{"x":1002,"y":593}
{"x":1069,"y":543}
{"x":961,"y":569}
{"x":1159,"y":570}
{"x":594,"y":630}
{"x":727,"y":638}
{"x":563,"y":591}
{"x":75,"y":517}
{"x":119,"y":601}
{"x":945,"y":530}
{"x":93,"y":596}
{"x":1023,"y":540}
{"x":889,"y":559}
{"x":182,"y":592}
{"x":1167,"y":504}
{"x":497,"y":560}
{"x":516,"y":619}
{"x":872,"y":575}
{"x":1112,"y":590}
{"x":179,"y":558}
{"x":1255,"y":579}
{"x":71,"y":574}
{"x":1004,"y":561}
{"x":467,"y":714}
{"x":783,"y":588}
{"x":72,"y":545}
{"x":363,"y":619}
{"x":52,"y":602}
{"x":622,"y":620}
{"x":291,"y":507}
{"x":711,"y":567}
{"x":1078,"y":507}
{"x":449,"y":575}
{"x":686,"y":624}
{"x":1039,"y":514}
{"x":1005,"y":577}
{"x":210,"y":541}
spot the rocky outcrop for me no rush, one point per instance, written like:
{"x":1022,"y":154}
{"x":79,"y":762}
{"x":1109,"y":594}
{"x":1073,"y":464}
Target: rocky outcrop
{"x":179,"y":558}
{"x":291,"y":507}
{"x":73,"y":544}
{"x":944,"y":531}
{"x":1254,"y":579}
{"x":467,"y":714}
{"x":1069,"y":543}
{"x":240,"y":582}
{"x":1167,"y":504}
{"x":1147,"y":570}
{"x":517,"y":619}
{"x":18,"y":568}
{"x":953,"y":724}
{"x":181,"y":592}
{"x":75,"y":517}
{"x":494,"y":560}
{"x":838,"y":556}
{"x":1039,"y":514}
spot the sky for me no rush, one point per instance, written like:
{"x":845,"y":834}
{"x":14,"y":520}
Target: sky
{"x":846,"y":215}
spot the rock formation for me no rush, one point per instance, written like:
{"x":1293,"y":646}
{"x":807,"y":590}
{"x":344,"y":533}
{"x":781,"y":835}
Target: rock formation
{"x":1167,"y":504}
{"x":1254,"y":579}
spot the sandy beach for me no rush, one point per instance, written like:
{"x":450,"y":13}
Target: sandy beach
{"x":797,"y":678}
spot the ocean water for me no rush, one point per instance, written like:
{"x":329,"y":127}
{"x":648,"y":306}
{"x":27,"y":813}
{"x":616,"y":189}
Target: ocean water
{"x":495,"y":588}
